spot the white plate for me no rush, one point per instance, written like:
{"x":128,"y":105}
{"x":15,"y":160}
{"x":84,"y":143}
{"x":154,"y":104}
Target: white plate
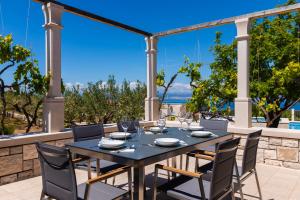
{"x":111,"y":144}
{"x":196,"y":128}
{"x":120,"y":135}
{"x":157,"y":129}
{"x":166,"y":141}
{"x":201,"y":133}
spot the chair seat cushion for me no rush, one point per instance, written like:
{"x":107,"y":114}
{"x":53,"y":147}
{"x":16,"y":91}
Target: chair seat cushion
{"x":185,"y":188}
{"x":100,"y":191}
{"x":105,"y":165}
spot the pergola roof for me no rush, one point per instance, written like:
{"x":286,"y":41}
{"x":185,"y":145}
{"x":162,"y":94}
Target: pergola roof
{"x":120,"y":25}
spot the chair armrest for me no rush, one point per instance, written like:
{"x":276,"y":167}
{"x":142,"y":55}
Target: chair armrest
{"x":77,"y":160}
{"x":108,"y":175}
{"x":205,"y":157}
{"x":179,"y":171}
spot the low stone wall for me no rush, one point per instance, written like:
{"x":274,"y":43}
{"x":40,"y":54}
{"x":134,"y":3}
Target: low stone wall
{"x":21,"y":161}
{"x":19,"y":158}
{"x":275,"y":148}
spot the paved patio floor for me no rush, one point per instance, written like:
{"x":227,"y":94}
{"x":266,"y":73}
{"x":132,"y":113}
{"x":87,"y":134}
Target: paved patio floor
{"x":276,"y":182}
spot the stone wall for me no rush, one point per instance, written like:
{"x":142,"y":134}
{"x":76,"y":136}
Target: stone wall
{"x":283,"y":152}
{"x":21,"y":162}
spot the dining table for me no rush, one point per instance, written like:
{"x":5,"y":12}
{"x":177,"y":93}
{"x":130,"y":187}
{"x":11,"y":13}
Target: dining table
{"x":146,"y":152}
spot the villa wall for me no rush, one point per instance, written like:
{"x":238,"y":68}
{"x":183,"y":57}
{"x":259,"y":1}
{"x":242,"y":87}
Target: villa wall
{"x":19,"y":158}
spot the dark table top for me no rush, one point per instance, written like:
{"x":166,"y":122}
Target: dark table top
{"x":142,"y":148}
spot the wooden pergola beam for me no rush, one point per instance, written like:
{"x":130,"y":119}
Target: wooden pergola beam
{"x":265,"y":13}
{"x":97,"y":18}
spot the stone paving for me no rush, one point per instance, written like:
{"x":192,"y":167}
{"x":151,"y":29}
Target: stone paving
{"x":277,"y":183}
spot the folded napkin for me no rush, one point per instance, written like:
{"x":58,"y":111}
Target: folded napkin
{"x":127,"y":150}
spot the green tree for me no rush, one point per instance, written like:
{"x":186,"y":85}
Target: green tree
{"x":274,"y":72}
{"x":28,"y":85}
{"x":131,"y":103}
{"x":74,"y":105}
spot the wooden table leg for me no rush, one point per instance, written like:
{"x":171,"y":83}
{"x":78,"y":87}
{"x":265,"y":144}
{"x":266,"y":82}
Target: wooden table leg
{"x":139,"y":182}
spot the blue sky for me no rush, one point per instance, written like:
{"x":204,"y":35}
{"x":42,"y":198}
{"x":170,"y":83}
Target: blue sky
{"x":91,"y":51}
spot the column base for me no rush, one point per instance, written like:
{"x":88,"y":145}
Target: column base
{"x":147,"y":109}
{"x":243,"y":112}
{"x":155,"y":108}
{"x":152,"y":109}
{"x":53,"y":114}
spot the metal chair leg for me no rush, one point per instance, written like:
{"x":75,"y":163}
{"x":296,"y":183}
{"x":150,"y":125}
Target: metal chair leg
{"x":187,"y":162}
{"x":154,"y":193}
{"x":201,"y":188}
{"x":238,"y":181}
{"x":168,"y":164}
{"x":181,"y":161}
{"x":42,"y":196}
{"x":196,"y":164}
{"x":97,"y":167}
{"x":257,"y":183}
{"x":89,"y":169}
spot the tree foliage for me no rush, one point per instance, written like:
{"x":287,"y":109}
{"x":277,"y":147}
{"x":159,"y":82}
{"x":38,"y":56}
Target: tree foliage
{"x":274,"y":72}
{"x":28,"y":86}
{"x":105,"y":102}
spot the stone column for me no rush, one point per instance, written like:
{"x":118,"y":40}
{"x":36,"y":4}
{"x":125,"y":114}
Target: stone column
{"x":151,"y":101}
{"x":53,"y":108}
{"x":243,"y":104}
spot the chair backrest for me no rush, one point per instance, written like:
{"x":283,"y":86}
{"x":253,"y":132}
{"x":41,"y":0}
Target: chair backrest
{"x":58,"y":176}
{"x":214,"y":124}
{"x":250,"y":151}
{"x":223,"y":168}
{"x":87,"y":132}
{"x":131,"y":126}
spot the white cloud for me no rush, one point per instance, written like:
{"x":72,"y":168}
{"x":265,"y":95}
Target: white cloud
{"x":178,"y":88}
{"x":70,"y":85}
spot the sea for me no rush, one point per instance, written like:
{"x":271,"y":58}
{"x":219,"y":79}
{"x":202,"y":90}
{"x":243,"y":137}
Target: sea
{"x":183,"y":101}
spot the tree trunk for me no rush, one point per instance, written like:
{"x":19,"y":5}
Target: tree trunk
{"x":3,"y":112}
{"x":273,"y":123}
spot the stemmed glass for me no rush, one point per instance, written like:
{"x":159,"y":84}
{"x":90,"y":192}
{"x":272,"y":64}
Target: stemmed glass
{"x":161,"y":123}
{"x":124,"y":125}
{"x":189,"y":119}
{"x":181,"y":119}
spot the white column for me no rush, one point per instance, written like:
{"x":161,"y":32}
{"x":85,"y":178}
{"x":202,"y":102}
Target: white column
{"x":151,"y":101}
{"x":243,"y":104}
{"x":53,"y":108}
{"x":293,"y":114}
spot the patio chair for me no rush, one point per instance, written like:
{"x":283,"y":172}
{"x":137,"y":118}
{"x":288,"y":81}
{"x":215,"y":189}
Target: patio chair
{"x":248,"y":167}
{"x":59,"y":179}
{"x":131,"y":126}
{"x":210,"y":125}
{"x":197,"y":185}
{"x":90,"y":132}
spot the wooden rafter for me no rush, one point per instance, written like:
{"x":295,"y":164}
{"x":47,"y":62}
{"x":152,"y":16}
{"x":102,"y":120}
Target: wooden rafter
{"x":265,"y":13}
{"x":97,"y":18}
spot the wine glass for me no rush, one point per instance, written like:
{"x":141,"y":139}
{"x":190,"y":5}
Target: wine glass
{"x":189,"y":119}
{"x":181,"y":119}
{"x":161,"y":123}
{"x":124,"y":125}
